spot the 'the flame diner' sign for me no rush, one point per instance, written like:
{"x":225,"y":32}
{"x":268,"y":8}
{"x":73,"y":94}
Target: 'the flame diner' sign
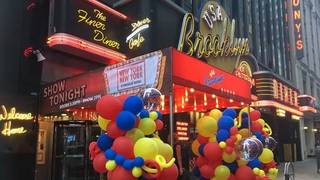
{"x":215,"y":37}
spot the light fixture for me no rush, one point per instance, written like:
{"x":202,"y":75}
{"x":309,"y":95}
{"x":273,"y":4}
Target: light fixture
{"x":82,"y":107}
{"x":162,"y":102}
{"x":39,"y":55}
{"x":205,"y":99}
{"x":280,"y":112}
{"x":315,"y":130}
{"x":242,"y":103}
{"x":191,"y":90}
{"x":231,"y":100}
{"x":295,"y":117}
{"x":186,"y":94}
{"x":305,"y":128}
{"x":182,"y":102}
{"x":213,"y":96}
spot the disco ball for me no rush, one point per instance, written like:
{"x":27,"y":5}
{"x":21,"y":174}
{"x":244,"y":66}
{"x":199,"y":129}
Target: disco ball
{"x":250,"y":148}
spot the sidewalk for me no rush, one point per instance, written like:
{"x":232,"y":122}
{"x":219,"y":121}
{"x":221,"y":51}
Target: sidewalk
{"x":304,"y":170}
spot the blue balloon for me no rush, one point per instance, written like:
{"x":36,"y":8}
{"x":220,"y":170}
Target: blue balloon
{"x":229,"y":112}
{"x":244,"y":123}
{"x":110,"y":154}
{"x":222,"y":135}
{"x":128,"y":164}
{"x":133,"y":104}
{"x":201,"y":147}
{"x":255,"y":164}
{"x":138,"y":161}
{"x":120,"y":159}
{"x":196,"y":171}
{"x":144,"y":114}
{"x":232,"y":166}
{"x":104,"y":142}
{"x":125,"y":120}
{"x":159,"y":115}
{"x":225,"y":122}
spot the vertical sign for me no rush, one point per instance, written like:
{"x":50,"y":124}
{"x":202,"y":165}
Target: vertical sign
{"x":297,"y":28}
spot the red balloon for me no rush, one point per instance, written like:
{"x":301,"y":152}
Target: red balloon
{"x":122,"y":98}
{"x":207,"y":171}
{"x":169,"y":173}
{"x":159,"y":124}
{"x":99,"y":163}
{"x":113,"y":131}
{"x":93,"y":150}
{"x":214,"y":164}
{"x":201,"y":161}
{"x":256,"y":127}
{"x":254,"y":115}
{"x":230,"y":142}
{"x":232,"y":177}
{"x":120,"y":174}
{"x":233,"y":130}
{"x":212,"y":151}
{"x":202,"y":140}
{"x":124,"y":146}
{"x":229,"y":150}
{"x":108,"y":107}
{"x":244,"y":173}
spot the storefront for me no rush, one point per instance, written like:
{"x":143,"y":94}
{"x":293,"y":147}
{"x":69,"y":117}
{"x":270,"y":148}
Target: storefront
{"x":203,"y":71}
{"x":278,"y":102}
{"x":308,"y":125}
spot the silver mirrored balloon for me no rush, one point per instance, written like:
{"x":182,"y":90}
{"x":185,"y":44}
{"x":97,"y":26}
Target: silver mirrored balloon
{"x":270,"y":143}
{"x":151,"y":98}
{"x":250,"y":148}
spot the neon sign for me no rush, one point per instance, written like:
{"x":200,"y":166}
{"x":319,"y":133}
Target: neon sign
{"x":97,"y":21}
{"x":135,"y":39}
{"x":8,"y":130}
{"x":215,"y":36}
{"x":297,"y":28}
{"x":13,"y":115}
{"x":213,"y":78}
{"x":244,"y":72}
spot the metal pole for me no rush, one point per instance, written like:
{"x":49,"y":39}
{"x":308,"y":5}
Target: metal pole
{"x":171,"y":106}
{"x":249,"y":121}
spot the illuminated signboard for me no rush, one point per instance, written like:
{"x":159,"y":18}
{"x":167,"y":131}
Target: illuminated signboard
{"x":215,"y":37}
{"x":297,"y":28}
{"x":182,"y":131}
{"x":136,"y":39}
{"x":14,"y":115}
{"x":90,"y":21}
{"x":269,"y":87}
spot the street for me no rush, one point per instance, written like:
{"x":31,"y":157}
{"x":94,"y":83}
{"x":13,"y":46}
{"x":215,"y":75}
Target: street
{"x":304,"y":170}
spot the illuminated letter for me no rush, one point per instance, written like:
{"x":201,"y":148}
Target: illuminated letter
{"x":82,"y":15}
{"x":188,"y":22}
{"x":296,"y":2}
{"x":299,"y":44}
{"x":298,"y":27}
{"x":297,"y":14}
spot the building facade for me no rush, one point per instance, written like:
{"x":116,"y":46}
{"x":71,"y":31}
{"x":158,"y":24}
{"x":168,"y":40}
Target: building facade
{"x":307,"y":69}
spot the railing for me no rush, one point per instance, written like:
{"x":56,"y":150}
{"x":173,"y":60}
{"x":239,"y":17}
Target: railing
{"x":288,"y":171}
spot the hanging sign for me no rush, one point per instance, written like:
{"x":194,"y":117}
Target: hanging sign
{"x":136,"y":39}
{"x":297,"y":28}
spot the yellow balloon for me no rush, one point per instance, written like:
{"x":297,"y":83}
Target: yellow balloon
{"x":195,"y":147}
{"x":215,"y":113}
{"x":242,"y":162}
{"x":153,"y":115}
{"x":135,"y":134}
{"x":222,"y":172}
{"x":136,"y":172}
{"x":207,"y":126}
{"x":103,"y":123}
{"x":146,"y":148}
{"x":166,"y":151}
{"x":111,"y":165}
{"x":147,"y":126}
{"x":244,"y":133}
{"x":266,"y":156}
{"x":229,"y":158}
{"x":213,"y":138}
{"x":222,"y":144}
{"x":256,"y":171}
{"x":262,"y":122}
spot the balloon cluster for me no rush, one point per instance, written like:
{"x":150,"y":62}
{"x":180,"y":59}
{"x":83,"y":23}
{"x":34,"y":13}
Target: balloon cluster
{"x":226,"y":149}
{"x":130,"y":147}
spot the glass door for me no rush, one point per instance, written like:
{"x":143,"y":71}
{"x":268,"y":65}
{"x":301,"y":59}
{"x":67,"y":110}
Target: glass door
{"x":69,"y":154}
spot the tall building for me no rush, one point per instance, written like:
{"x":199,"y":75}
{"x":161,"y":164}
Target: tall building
{"x":307,"y":64}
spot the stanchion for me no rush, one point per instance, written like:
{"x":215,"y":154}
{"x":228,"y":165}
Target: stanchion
{"x":287,"y":174}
